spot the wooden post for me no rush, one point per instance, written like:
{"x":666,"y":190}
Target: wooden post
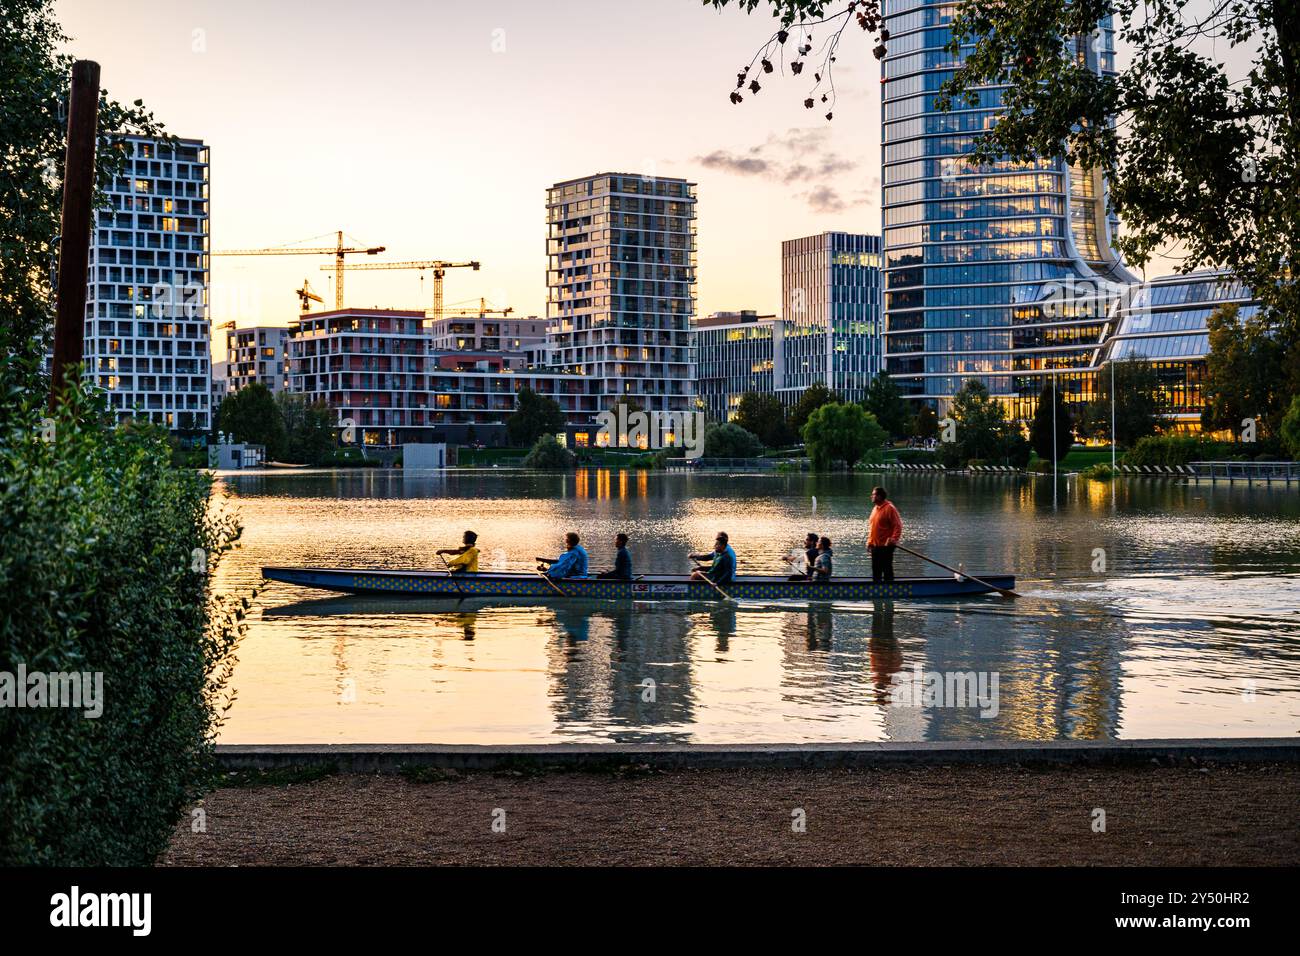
{"x":78,"y":203}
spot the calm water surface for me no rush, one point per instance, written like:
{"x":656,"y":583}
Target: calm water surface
{"x":1191,"y":627}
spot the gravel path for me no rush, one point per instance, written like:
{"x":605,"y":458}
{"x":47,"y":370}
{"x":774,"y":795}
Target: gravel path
{"x":1214,"y":815}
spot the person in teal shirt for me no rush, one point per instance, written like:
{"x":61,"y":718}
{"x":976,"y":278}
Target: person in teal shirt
{"x":572,"y":563}
{"x":723,"y":562}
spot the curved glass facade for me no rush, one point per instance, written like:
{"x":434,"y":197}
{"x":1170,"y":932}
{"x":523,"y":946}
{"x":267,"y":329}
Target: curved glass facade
{"x":1002,"y":272}
{"x":1165,"y":323}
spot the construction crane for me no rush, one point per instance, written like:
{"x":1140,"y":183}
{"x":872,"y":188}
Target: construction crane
{"x":481,"y":312}
{"x":338,"y":252}
{"x":438,"y":266}
{"x":306,"y":295}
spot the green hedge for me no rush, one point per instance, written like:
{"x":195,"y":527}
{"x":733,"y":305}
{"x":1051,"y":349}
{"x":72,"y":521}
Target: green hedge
{"x":107,"y":551}
{"x":1179,"y":450}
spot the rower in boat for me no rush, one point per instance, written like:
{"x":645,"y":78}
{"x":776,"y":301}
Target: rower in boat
{"x":809,"y":558}
{"x":571,"y":564}
{"x":823,"y":564}
{"x":465,"y":560}
{"x":722,"y":567}
{"x":885,"y":530}
{"x":622,"y":561}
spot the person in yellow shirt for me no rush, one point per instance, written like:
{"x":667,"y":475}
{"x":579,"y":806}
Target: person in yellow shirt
{"x":466,"y":556}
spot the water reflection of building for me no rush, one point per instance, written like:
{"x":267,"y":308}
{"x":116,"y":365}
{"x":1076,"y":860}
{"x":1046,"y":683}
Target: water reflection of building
{"x":598,"y":675}
{"x":1058,"y":678}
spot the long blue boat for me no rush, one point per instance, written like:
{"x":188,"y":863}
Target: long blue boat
{"x":649,"y":587}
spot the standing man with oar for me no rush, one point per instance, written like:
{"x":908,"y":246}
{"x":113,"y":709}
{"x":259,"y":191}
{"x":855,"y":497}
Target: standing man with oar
{"x":885,"y":531}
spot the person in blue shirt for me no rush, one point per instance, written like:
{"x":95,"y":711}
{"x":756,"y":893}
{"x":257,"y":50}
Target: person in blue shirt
{"x":723,"y":562}
{"x":571,"y":564}
{"x":622,"y":561}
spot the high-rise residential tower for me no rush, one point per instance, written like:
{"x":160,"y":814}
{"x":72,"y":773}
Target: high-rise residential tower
{"x":147,"y":326}
{"x":831,"y":329}
{"x":1002,"y":272}
{"x":621,"y":286}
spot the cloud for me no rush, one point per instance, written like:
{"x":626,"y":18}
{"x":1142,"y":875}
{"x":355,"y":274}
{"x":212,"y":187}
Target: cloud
{"x":731,"y":163}
{"x":799,"y":157}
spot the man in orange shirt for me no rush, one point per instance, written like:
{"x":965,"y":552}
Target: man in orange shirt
{"x":885,"y":531}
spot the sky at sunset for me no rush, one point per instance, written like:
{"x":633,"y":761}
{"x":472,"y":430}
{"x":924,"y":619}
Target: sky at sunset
{"x":434,"y":129}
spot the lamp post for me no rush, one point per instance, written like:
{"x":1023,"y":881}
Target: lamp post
{"x":1114,"y":439}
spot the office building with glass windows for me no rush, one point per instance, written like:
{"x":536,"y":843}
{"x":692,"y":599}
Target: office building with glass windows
{"x":1002,"y":272}
{"x":831,"y":312}
{"x":621,"y":286}
{"x":1165,"y":322}
{"x":147,"y":328}
{"x":734,"y":354}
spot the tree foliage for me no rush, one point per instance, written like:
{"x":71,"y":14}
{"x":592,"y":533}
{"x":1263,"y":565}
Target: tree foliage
{"x":309,"y":429}
{"x":534,"y":416}
{"x":814,"y":397}
{"x":1243,"y":374}
{"x":1290,"y":429}
{"x":841,"y":432}
{"x":1138,"y":403}
{"x":251,"y":415}
{"x":547,"y":454}
{"x":764,"y":415}
{"x":107,"y":557}
{"x":927,"y":423}
{"x":729,"y":440}
{"x":885,"y":401}
{"x":34,"y":86}
{"x":982,"y":431}
{"x":1040,"y":427}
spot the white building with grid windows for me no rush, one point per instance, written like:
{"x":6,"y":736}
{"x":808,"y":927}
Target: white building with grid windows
{"x":621,"y":286}
{"x":147,"y":328}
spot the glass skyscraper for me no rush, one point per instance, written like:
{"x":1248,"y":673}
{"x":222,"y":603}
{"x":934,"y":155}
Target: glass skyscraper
{"x":830,"y":333}
{"x":1002,"y":272}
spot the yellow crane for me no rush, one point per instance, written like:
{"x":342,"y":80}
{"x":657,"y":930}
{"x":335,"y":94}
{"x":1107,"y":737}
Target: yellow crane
{"x":338,"y":251}
{"x":482,"y":311}
{"x":438,"y":266}
{"x":306,"y":296}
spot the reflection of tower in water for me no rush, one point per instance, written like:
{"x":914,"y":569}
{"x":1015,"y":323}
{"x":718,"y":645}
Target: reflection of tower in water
{"x":600,"y":668}
{"x":1054,"y":682}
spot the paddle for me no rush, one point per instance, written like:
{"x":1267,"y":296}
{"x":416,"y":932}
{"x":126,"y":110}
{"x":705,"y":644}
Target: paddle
{"x":713,"y":585}
{"x":1005,"y":592}
{"x":554,"y":587}
{"x":459,"y":589}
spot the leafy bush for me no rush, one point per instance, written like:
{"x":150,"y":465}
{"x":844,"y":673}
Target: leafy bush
{"x":916,"y":456}
{"x":1178,"y":450}
{"x":549,"y":455}
{"x":107,"y":552}
{"x":1098,"y":472}
{"x":730,"y":441}
{"x":1290,"y":429}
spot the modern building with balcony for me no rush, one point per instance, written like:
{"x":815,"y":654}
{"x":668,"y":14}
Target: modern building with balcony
{"x":377,"y":369}
{"x":621,"y":287}
{"x":1003,"y":272}
{"x":256,"y":354}
{"x":147,"y":331}
{"x":734,"y":354}
{"x":485,"y":332}
{"x":831,"y":310}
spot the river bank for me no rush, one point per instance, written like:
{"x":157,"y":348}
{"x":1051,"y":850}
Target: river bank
{"x":1221,"y":815}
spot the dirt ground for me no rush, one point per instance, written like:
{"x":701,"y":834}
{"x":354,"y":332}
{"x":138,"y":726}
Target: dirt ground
{"x":1212,"y":816}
